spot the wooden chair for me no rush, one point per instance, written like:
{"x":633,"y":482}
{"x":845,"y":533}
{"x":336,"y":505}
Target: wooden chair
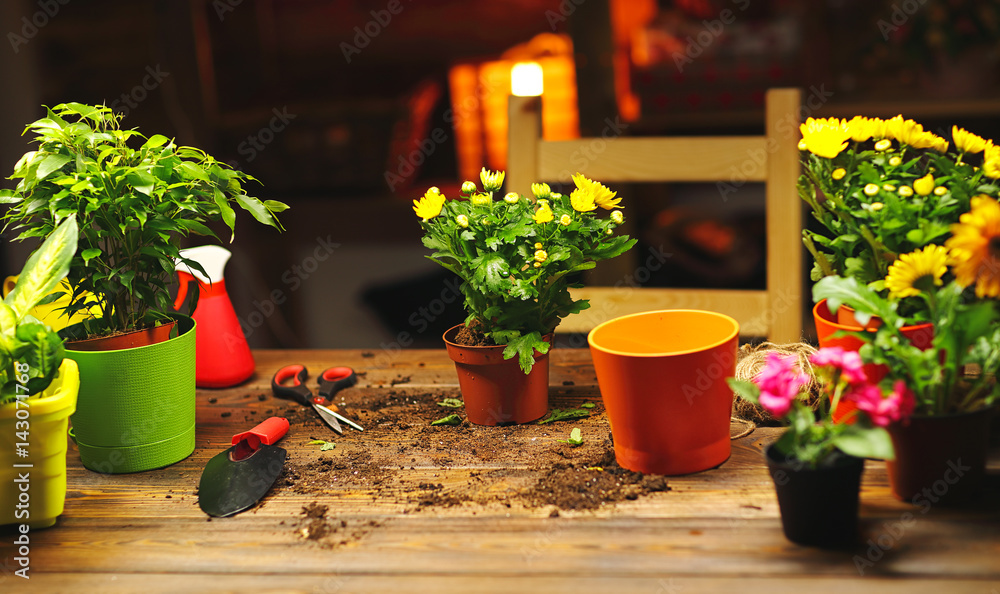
{"x":729,"y":161}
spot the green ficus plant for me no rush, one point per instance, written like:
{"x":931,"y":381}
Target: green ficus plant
{"x":518,"y":257}
{"x":134,"y":198}
{"x":30,"y":351}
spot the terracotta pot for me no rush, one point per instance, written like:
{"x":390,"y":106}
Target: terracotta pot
{"x":662,"y":376}
{"x":826,"y":325}
{"x":845,"y":317}
{"x":819,"y":507}
{"x":495,"y":390}
{"x":941,"y":458}
{"x":129,"y":340}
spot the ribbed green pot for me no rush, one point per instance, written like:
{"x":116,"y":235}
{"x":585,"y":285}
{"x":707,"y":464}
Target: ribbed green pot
{"x":136,"y":409}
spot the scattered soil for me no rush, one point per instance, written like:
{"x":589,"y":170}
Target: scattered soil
{"x":403,"y":459}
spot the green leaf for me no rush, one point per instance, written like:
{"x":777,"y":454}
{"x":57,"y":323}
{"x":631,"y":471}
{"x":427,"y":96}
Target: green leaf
{"x":323,"y":444}
{"x":89,"y":254}
{"x":861,"y":442}
{"x":451,"y":403}
{"x":228,"y":214}
{"x":45,"y":268}
{"x":575,"y":437}
{"x":155,"y":140}
{"x":524,"y":347}
{"x":587,"y":405}
{"x":275,"y":206}
{"x":449,"y":420}
{"x":50,"y":164}
{"x":255,"y":207}
{"x":563,"y":415}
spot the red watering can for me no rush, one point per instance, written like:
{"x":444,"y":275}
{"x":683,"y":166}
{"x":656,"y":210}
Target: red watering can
{"x":222,"y":357}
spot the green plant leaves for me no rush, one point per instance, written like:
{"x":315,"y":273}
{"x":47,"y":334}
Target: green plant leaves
{"x":449,"y":420}
{"x":48,"y":265}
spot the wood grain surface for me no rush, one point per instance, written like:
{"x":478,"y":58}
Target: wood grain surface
{"x":714,"y":531}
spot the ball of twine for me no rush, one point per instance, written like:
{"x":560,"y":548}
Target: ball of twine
{"x":749,"y":363}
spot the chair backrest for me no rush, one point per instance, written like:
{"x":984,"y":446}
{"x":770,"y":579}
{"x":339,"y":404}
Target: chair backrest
{"x":728,"y":161}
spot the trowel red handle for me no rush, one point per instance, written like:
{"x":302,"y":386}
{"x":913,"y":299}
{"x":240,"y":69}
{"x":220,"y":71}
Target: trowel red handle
{"x":268,"y":432}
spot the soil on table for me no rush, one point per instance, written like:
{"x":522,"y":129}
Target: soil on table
{"x":400,"y":457}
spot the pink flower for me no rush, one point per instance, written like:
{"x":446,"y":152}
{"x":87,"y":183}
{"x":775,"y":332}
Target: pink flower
{"x":779,"y":382}
{"x":883,"y":410}
{"x":848,"y":362}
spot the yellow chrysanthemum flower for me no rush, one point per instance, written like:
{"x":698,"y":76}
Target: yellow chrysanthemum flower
{"x":940,"y":191}
{"x":876,"y":206}
{"x":967,"y":142}
{"x":565,"y":220}
{"x":860,"y":128}
{"x":883,"y":145}
{"x":541,"y":255}
{"x":871,"y":189}
{"x":492,"y":180}
{"x":991,"y":161}
{"x":582,"y":200}
{"x":895,"y":161}
{"x":825,"y":137}
{"x":975,"y":247}
{"x":898,"y":128}
{"x":430,"y":205}
{"x":544,"y":213}
{"x":905,"y":191}
{"x":541,"y":191}
{"x":598,"y":192}
{"x":924,"y":185}
{"x":917,"y":271}
{"x":481,"y":199}
{"x":802,"y":145}
{"x":838,"y":173}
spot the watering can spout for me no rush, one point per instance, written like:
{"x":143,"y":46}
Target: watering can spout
{"x":223,"y":357}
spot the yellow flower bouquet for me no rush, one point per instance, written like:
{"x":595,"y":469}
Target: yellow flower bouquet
{"x":882,"y":188}
{"x":518,"y":257}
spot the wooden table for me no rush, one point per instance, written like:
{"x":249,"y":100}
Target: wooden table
{"x":715,"y":531}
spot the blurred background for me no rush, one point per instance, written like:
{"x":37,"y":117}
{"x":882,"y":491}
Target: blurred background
{"x":349,"y":109}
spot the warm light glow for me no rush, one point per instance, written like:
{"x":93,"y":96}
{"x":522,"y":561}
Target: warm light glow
{"x":526,"y":79}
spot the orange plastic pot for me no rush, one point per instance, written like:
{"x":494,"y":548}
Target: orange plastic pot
{"x":827,"y":325}
{"x":662,"y":375}
{"x":495,"y":390}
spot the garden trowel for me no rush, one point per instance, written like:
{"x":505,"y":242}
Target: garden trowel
{"x":237,"y":478}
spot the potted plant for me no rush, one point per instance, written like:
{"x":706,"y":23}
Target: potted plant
{"x":517,"y":258}
{"x":816,"y":466}
{"x":38,"y":390}
{"x":942,"y":449}
{"x":134,"y":199}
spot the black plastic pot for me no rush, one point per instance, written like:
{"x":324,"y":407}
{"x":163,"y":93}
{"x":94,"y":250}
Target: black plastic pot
{"x":819,"y":507}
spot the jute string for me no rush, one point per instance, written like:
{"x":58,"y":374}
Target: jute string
{"x":750,"y":361}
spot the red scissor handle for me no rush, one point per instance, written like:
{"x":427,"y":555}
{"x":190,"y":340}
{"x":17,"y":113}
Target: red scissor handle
{"x":297,"y":391}
{"x":335,"y":379}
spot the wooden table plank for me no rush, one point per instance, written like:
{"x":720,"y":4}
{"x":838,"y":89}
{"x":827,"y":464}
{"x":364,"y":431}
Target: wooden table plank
{"x":717,"y":530}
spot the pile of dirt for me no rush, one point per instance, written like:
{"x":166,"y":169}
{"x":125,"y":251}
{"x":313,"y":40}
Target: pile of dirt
{"x":589,"y":485}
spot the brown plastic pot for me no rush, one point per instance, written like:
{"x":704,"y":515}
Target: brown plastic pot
{"x":662,"y":376}
{"x":939,"y":458}
{"x":129,"y":340}
{"x":827,"y":325}
{"x":495,"y":390}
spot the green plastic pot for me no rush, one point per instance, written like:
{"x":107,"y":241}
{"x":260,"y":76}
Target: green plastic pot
{"x":136,"y":409}
{"x":43,"y":470}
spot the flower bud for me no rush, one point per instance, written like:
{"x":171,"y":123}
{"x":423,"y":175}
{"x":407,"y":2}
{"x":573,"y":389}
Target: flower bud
{"x":895,"y":161}
{"x":871,"y":190}
{"x":940,"y":191}
{"x":462,"y":220}
{"x":481,"y":199}
{"x":905,"y":191}
{"x":468,"y":187}
{"x":838,"y":173}
{"x":511,"y":198}
{"x":924,"y":185}
{"x":617,"y":217}
{"x":541,"y":256}
{"x":883,"y":145}
{"x":541,"y":191}
{"x":565,"y":220}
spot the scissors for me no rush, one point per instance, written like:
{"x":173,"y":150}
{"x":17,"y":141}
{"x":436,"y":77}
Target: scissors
{"x":331,"y":381}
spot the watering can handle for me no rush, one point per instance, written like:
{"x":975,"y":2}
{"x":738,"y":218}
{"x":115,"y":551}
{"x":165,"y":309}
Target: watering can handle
{"x":182,"y":290}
